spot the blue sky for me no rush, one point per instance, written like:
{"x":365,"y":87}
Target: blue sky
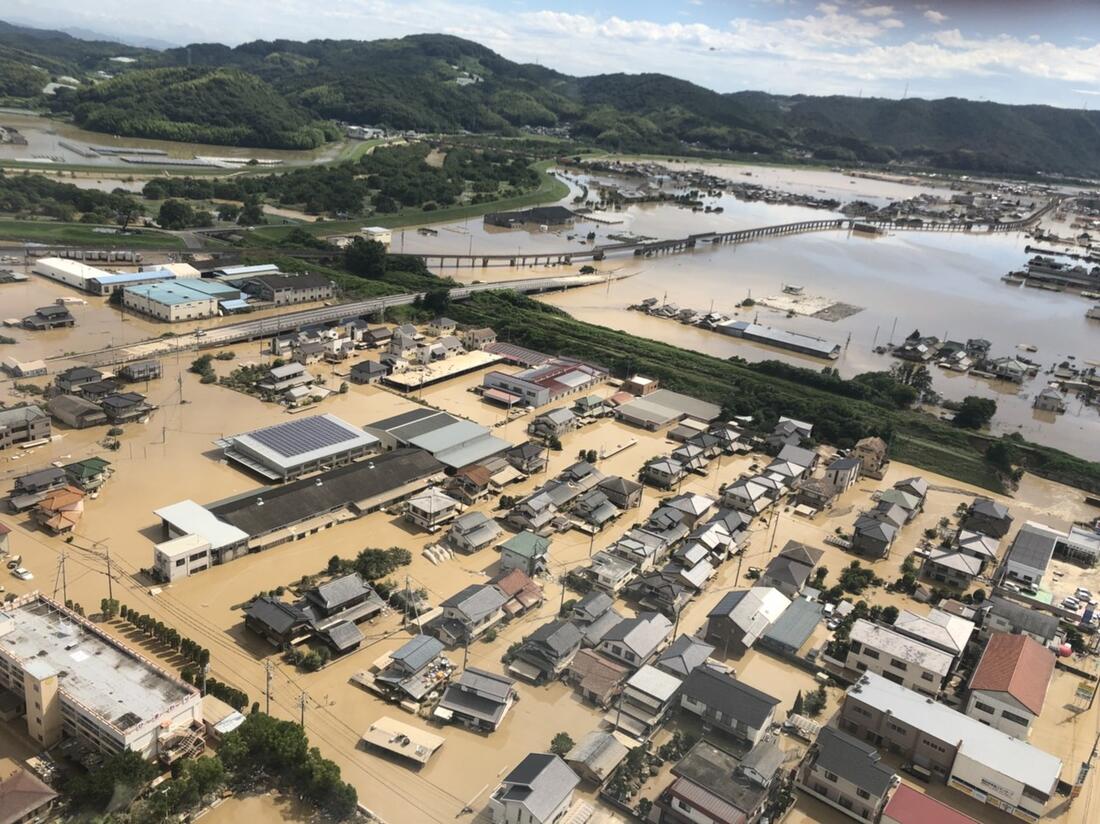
{"x":1043,"y":51}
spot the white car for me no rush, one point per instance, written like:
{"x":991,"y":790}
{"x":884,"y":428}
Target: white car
{"x":23,"y":574}
{"x":1083,"y":594}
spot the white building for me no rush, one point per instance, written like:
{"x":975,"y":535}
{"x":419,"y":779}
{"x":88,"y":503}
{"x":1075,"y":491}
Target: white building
{"x":378,"y":233}
{"x":70,"y":272}
{"x":901,"y":659}
{"x":539,"y":790}
{"x":77,"y":681}
{"x":1009,"y":685}
{"x":1029,"y":556}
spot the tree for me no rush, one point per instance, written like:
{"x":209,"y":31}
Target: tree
{"x":561,"y":744}
{"x":437,"y":301}
{"x":252,"y":213}
{"x":365,"y":258}
{"x":127,"y":211}
{"x":798,"y":704}
{"x":228,"y":212}
{"x":889,"y":614}
{"x":975,"y":412}
{"x":115,"y":782}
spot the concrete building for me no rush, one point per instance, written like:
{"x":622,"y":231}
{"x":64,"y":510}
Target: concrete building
{"x":180,"y":300}
{"x":939,"y":629}
{"x":1009,"y":685}
{"x":659,"y":408}
{"x":77,"y":681}
{"x":289,"y":450}
{"x":847,"y":774}
{"x":548,"y":382}
{"x":70,"y":272}
{"x":23,"y":424}
{"x":970,"y":756}
{"x":285,"y":290}
{"x":901,"y":659}
{"x":1029,"y":556}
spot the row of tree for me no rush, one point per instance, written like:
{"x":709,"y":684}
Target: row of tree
{"x":169,"y":636}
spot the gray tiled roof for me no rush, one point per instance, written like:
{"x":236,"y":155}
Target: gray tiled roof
{"x":684,"y":655}
{"x":735,"y":699}
{"x":476,"y":601}
{"x":854,"y":761}
{"x":417,"y":652}
{"x":540,"y":782}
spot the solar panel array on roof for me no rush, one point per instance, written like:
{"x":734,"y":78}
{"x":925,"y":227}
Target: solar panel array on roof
{"x":301,"y":436}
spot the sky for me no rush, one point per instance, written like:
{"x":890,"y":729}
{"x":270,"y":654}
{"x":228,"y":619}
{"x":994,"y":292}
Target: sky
{"x":1012,"y":51}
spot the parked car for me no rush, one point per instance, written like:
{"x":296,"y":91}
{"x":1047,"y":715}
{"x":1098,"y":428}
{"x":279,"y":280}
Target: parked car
{"x":23,"y":574}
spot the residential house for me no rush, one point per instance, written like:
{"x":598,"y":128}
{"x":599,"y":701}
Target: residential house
{"x":281,"y":378}
{"x":1029,"y":556}
{"x":972,"y":757}
{"x":539,"y":790}
{"x":683,"y":656}
{"x":60,"y":510}
{"x":988,"y":517}
{"x":471,"y":483}
{"x":753,"y":494}
{"x":1008,"y":368}
{"x":591,"y":406}
{"x":873,"y":536}
{"x":308,"y":351}
{"x":661,"y":592}
{"x":553,"y":424}
{"x":727,"y":704}
{"x":594,"y":616}
{"x":345,"y":596}
{"x":547,"y":652}
{"x":691,"y":505}
{"x":742,"y":616}
{"x":1002,"y":615}
{"x":24,"y":799}
{"x":535,"y":513}
{"x":469,"y":614}
{"x":23,"y":424}
{"x":843,"y":473}
{"x":713,"y":786}
{"x":903,"y":660}
{"x":596,"y":756}
{"x":595,"y":509}
{"x":437,"y":327}
{"x":1049,"y":399}
{"x":125,"y":406}
{"x":528,"y":457}
{"x":39,"y":482}
{"x":70,"y":381}
{"x":367,"y":372}
{"x":478,"y":700}
{"x":950,"y":567}
{"x":977,"y":545}
{"x":906,"y":501}
{"x":817,"y":493}
{"x":596,"y":677}
{"x":431,"y":509}
{"x":872,"y":453}
{"x":97,"y":391}
{"x":663,"y":472}
{"x":791,"y":569}
{"x":521,"y":593}
{"x":478,"y":338}
{"x":414,"y":668}
{"x":635,"y":641}
{"x":1009,"y":685}
{"x":610,"y":572}
{"x":847,"y":774}
{"x":282,"y":624}
{"x":472,"y":531}
{"x":914,"y":486}
{"x":525,"y":551}
{"x":788,"y":431}
{"x":646,"y":700}
{"x":53,"y":316}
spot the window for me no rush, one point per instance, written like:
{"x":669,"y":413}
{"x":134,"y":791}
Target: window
{"x":897,"y":727}
{"x":927,"y":676}
{"x":862,"y":793}
{"x":830,"y":776}
{"x":986,"y":708}
{"x":1015,"y":719}
{"x":870,"y":653}
{"x":896,"y":664}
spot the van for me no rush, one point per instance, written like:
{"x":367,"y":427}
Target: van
{"x":917,"y":771}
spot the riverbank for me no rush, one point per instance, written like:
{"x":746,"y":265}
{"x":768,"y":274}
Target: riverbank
{"x":843,"y":411}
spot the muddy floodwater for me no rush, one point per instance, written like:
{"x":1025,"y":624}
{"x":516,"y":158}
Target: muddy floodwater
{"x":943,"y":284}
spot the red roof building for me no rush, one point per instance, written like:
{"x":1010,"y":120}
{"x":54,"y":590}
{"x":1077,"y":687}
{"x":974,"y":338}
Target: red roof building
{"x":1009,"y":684}
{"x":909,"y":806}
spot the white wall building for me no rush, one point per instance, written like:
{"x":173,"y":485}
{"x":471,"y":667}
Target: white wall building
{"x":901,"y":659}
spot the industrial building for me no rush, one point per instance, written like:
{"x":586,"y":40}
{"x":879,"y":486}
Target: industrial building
{"x":267,"y":517}
{"x":661,"y":407}
{"x":454,"y":442}
{"x":284,"y":290}
{"x":77,"y":681}
{"x":105,"y":283}
{"x":287,"y":450}
{"x":188,"y":299}
{"x":781,"y":338}
{"x":70,"y":272}
{"x":545,"y":383}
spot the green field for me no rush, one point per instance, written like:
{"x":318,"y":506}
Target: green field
{"x":550,"y":190}
{"x":83,"y":234}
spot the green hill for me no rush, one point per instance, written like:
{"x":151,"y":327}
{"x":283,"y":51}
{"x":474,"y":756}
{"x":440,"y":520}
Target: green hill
{"x":282,"y":93}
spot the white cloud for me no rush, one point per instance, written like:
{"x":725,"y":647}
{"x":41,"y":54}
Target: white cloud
{"x":933,"y":16}
{"x":877,"y":11}
{"x":1093,"y":92}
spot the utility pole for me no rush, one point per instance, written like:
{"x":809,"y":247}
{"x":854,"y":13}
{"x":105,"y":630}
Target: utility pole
{"x":466,"y":652}
{"x":110,"y":588}
{"x":302,"y":708}
{"x":269,"y":668}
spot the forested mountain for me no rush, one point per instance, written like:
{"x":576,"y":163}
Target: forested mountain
{"x":282,"y":93}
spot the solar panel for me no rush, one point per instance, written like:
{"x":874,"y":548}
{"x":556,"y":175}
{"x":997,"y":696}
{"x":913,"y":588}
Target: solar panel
{"x":298,"y":437}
